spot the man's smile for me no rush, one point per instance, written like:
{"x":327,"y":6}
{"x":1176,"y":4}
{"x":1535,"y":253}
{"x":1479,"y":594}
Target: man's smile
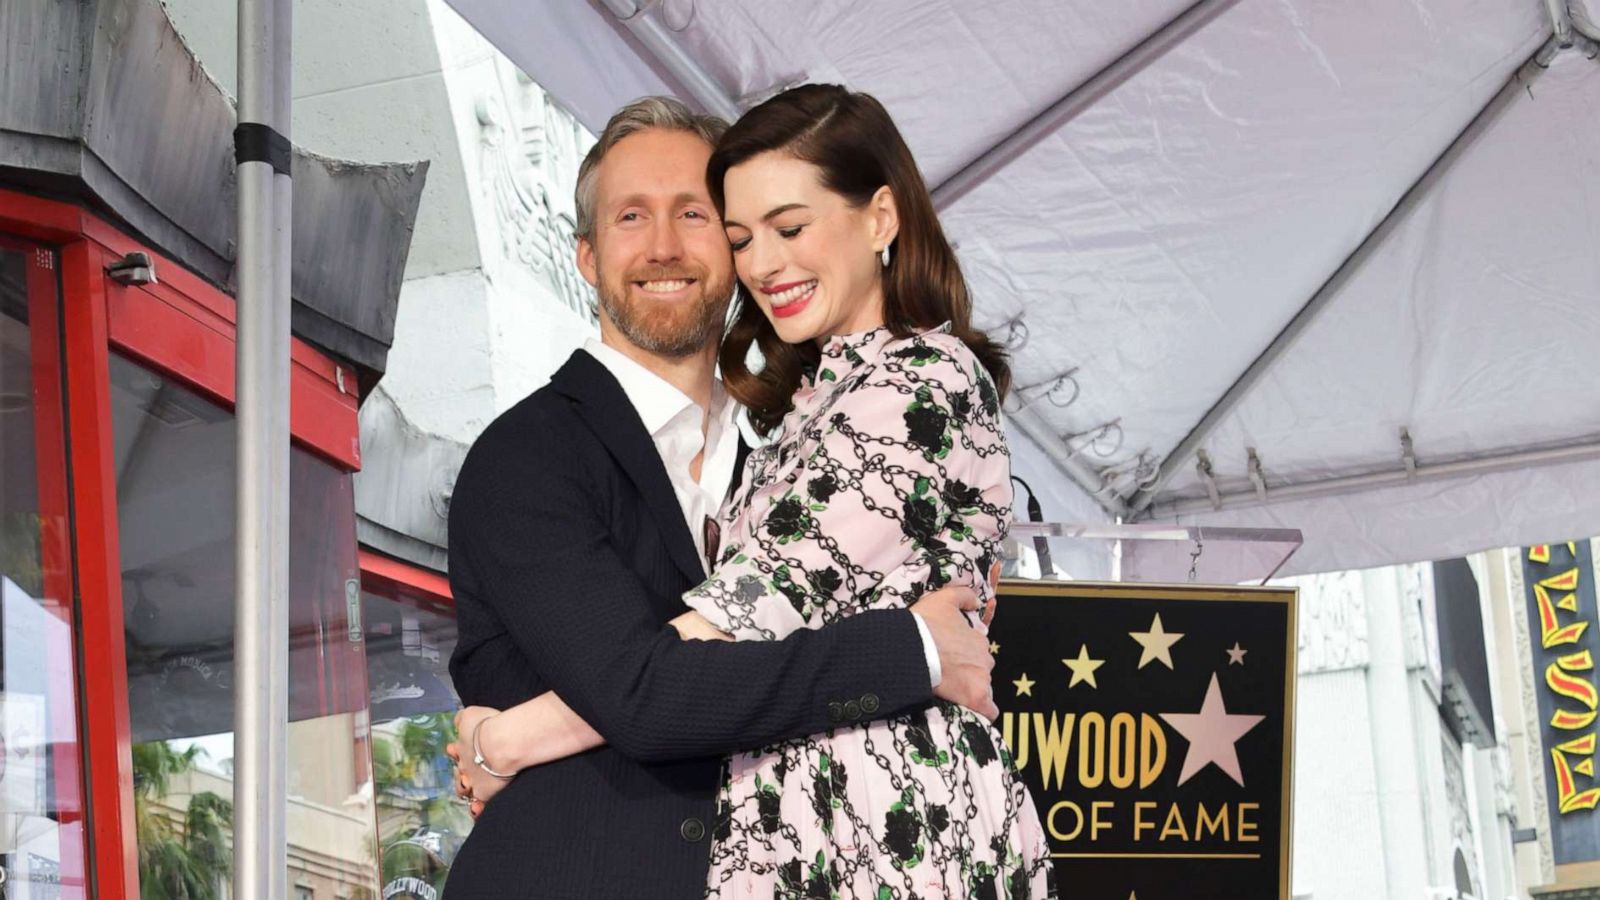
{"x":665,"y":286}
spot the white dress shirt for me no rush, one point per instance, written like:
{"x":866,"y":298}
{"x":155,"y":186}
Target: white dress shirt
{"x":674,"y":422}
{"x":675,"y":425}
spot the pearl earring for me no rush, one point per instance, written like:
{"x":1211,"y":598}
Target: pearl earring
{"x":884,"y":256}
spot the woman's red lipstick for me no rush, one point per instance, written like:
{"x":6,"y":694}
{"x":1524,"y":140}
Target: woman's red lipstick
{"x":794,"y":307}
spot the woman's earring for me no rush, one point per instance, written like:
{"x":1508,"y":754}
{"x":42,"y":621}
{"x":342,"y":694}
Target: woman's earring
{"x":884,"y":256}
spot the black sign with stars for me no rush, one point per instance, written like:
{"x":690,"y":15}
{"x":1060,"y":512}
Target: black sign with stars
{"x":1152,"y":724}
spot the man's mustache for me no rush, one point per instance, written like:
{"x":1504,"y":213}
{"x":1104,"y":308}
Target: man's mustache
{"x":661,"y":273}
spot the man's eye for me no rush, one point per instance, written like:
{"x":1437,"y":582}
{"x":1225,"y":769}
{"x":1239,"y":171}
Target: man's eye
{"x":695,"y":214}
{"x":739,"y":245}
{"x":629,"y":217}
{"x":791,"y":232}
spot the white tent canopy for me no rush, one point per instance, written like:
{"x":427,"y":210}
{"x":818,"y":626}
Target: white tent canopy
{"x":1357,"y":242}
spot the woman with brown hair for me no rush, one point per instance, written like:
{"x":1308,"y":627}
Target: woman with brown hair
{"x":885,"y":474}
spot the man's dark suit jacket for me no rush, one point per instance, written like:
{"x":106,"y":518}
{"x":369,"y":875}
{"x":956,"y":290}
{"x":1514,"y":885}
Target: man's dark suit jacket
{"x":568,"y":554}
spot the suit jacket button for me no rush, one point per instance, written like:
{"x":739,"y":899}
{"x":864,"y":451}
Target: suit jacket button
{"x":852,"y":710}
{"x":870,"y":704}
{"x":692,"y":830}
{"x":835,"y":712}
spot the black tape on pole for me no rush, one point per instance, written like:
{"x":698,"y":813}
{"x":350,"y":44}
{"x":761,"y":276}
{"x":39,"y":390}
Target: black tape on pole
{"x":254,"y":142}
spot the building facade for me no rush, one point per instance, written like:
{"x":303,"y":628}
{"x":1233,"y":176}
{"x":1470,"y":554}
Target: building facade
{"x":1432,"y":758}
{"x":117,"y":332}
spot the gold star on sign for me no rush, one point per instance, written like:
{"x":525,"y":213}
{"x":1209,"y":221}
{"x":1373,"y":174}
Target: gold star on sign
{"x":1236,"y":654}
{"x":1024,"y":686}
{"x":994,"y":649}
{"x":1083,"y":668}
{"x":1157,"y":643}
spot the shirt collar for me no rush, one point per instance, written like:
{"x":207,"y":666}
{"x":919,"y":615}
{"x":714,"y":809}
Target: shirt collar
{"x":656,"y":401}
{"x":653,"y":397}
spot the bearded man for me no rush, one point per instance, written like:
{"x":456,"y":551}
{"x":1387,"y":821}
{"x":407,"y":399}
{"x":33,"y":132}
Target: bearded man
{"x":575,"y":528}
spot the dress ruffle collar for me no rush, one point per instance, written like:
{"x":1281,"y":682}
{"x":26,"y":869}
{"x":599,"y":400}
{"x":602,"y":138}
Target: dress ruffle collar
{"x":843,"y":353}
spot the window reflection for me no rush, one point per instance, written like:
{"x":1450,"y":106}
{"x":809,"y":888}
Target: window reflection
{"x":41,"y":816}
{"x":175,"y":500}
{"x":420,"y":823}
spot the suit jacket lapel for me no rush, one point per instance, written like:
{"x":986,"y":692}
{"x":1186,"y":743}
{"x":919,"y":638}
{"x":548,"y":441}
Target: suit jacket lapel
{"x":605,"y":408}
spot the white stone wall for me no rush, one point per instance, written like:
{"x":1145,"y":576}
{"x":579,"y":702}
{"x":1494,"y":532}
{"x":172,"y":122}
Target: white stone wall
{"x":1338,"y":853}
{"x":1495,"y":809}
{"x":1385,"y":798}
{"x":492,"y":302}
{"x":471,"y":343}
{"x":368,"y":86}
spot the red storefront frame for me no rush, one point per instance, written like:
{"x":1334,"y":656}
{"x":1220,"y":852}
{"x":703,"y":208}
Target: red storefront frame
{"x":391,"y":577}
{"x":183,"y":328}
{"x":50,"y":452}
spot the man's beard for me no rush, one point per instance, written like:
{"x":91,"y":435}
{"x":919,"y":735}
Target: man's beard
{"x":674,"y":329}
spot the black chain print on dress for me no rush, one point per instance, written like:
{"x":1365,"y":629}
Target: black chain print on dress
{"x":889,"y":477}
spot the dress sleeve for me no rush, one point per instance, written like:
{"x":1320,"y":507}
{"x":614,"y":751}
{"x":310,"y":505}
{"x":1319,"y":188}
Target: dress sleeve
{"x":903,"y":485}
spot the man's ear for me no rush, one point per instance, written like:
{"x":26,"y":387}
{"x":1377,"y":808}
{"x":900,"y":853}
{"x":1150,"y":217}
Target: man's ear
{"x":885,"y":217}
{"x":588,"y":266}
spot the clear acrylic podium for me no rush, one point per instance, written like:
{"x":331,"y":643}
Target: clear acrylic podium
{"x":1148,"y":553}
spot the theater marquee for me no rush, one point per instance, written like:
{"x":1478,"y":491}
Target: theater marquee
{"x":1559,"y":582}
{"x":1153,"y":724}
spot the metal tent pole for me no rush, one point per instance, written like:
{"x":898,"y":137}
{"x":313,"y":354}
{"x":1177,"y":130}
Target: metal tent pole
{"x":1420,"y":190}
{"x":1056,"y":116}
{"x":1068,"y":461}
{"x":1506,"y":461}
{"x":658,"y":41}
{"x":261,"y":632}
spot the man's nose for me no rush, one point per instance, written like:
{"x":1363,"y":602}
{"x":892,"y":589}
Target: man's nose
{"x":666,"y":244}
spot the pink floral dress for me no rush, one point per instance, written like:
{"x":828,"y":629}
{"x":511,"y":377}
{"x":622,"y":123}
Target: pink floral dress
{"x":890,"y":477}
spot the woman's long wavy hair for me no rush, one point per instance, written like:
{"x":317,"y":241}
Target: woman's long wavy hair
{"x":851,"y":139}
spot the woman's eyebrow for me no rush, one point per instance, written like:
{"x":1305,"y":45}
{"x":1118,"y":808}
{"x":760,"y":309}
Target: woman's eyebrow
{"x":772,"y":214}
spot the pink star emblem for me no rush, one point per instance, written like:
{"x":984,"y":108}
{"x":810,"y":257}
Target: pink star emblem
{"x":1211,"y":734}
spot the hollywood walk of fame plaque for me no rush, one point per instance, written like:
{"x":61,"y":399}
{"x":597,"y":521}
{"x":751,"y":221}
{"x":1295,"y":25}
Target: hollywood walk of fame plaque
{"x":1153,"y":726}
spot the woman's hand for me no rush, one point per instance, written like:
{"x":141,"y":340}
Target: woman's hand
{"x":694,"y":627}
{"x":471,"y":781}
{"x":540,"y":730}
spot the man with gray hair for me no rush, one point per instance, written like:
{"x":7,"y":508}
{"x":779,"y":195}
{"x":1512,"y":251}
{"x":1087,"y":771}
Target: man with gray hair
{"x":575,"y":528}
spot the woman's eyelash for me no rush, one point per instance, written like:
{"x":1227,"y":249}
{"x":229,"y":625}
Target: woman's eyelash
{"x":791,"y":232}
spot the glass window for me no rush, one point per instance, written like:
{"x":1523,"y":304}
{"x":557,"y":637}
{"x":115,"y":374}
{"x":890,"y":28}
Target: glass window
{"x":421,"y":825}
{"x":175,"y":502}
{"x":41,"y":812}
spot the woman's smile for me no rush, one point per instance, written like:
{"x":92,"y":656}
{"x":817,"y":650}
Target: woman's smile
{"x":791,"y":298}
